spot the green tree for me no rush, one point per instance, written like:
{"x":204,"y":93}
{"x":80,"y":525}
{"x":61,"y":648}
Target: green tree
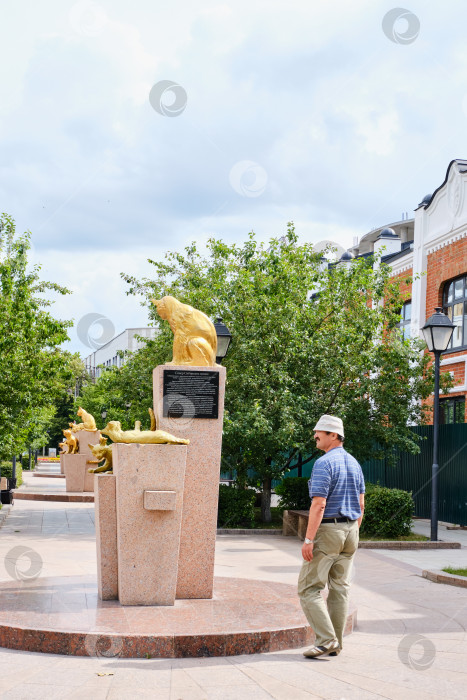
{"x":32,"y":366}
{"x":291,"y":359}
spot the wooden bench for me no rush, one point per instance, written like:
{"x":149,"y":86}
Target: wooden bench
{"x":295,"y":522}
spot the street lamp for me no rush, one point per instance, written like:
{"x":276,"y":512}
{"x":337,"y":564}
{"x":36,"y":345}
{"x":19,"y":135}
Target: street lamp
{"x":104,"y":414}
{"x":437,"y":332}
{"x":223,"y":339}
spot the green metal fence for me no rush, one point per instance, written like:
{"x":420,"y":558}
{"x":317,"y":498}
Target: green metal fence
{"x":413,"y":473}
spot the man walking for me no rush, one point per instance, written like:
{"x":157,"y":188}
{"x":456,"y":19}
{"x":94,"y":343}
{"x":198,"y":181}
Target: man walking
{"x":337,"y":490}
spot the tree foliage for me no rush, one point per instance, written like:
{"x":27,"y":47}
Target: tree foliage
{"x":32,"y":366}
{"x":291,"y":359}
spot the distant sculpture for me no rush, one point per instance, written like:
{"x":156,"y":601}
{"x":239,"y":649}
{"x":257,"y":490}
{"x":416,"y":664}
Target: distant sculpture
{"x":73,"y":426}
{"x":103,"y":452}
{"x":144,"y":437}
{"x":71,"y":442}
{"x":88,"y":421}
{"x":195,"y":339}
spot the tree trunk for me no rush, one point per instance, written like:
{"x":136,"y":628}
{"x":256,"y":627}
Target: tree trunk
{"x":266,"y":501}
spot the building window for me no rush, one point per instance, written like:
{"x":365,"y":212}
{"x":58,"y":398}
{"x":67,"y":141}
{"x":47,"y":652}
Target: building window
{"x":452,"y":410}
{"x":404,"y":323}
{"x":455,"y":306}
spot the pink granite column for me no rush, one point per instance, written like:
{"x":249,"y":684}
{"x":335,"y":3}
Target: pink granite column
{"x":199,"y":519}
{"x":106,"y":536}
{"x":149,"y":485}
{"x":75,"y":467}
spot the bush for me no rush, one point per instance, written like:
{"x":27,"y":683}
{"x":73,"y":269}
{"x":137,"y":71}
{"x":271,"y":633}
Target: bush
{"x":6,"y":469}
{"x":294,"y":494}
{"x":388,"y":512}
{"x":236,"y":507}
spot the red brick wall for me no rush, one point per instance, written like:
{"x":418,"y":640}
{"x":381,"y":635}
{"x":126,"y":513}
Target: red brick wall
{"x":442,"y":266}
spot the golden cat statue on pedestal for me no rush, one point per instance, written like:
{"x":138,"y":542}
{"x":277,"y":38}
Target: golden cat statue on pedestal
{"x":103,"y":452}
{"x":71,"y":442}
{"x":195,"y":339}
{"x":144,"y":437}
{"x":88,"y":422}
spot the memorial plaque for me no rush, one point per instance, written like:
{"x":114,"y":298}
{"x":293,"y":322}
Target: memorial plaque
{"x":190,"y":394}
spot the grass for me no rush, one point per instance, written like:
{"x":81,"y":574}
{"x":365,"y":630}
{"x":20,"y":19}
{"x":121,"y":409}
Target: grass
{"x":457,"y":572}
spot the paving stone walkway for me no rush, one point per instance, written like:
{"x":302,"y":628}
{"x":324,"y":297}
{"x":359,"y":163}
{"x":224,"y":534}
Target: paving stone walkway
{"x":410,"y":641}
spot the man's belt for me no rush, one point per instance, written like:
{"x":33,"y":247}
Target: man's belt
{"x":337,"y":520}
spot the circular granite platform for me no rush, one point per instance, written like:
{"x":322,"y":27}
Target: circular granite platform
{"x":65,"y":616}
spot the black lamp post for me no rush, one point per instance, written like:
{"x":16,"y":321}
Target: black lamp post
{"x":223,"y":339}
{"x":437,"y":332}
{"x":104,"y":414}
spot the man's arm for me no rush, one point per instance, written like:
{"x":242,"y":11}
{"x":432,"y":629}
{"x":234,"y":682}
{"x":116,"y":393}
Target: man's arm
{"x":362,"y":508}
{"x":318,"y":504}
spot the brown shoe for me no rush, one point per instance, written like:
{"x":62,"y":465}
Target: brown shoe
{"x":314,"y":652}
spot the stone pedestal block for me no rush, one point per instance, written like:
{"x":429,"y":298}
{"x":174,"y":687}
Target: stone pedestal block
{"x":148,"y":540}
{"x":199,"y":520}
{"x":62,"y":468}
{"x":77,"y":476}
{"x":86,"y":438}
{"x":106,"y":536}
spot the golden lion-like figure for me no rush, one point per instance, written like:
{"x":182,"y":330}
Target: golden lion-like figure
{"x":62,"y":446}
{"x":88,"y":422}
{"x":103,"y":452}
{"x":195,"y":339}
{"x":71,"y":442}
{"x":144,"y":437}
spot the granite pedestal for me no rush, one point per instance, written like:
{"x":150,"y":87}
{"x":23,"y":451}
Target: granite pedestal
{"x":76,"y":466}
{"x":138,"y":519}
{"x":199,"y":518}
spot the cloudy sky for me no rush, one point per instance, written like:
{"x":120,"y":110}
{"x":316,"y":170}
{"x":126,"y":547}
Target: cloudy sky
{"x":338,"y":115}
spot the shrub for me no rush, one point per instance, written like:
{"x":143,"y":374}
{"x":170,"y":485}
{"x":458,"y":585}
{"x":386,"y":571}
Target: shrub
{"x":294,"y":494}
{"x":388,"y":512}
{"x":6,"y":469}
{"x":236,"y":507}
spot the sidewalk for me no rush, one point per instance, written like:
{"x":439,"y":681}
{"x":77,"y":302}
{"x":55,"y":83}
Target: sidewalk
{"x":381,"y":659}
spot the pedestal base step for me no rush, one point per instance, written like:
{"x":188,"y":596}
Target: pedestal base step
{"x":244,"y":617}
{"x":60,"y":496}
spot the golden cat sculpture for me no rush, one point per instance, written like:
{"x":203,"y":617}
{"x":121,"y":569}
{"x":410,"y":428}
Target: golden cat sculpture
{"x":88,"y":421}
{"x":62,"y":446}
{"x":195,"y":339}
{"x":144,"y":437}
{"x":71,"y":442}
{"x":103,"y":452}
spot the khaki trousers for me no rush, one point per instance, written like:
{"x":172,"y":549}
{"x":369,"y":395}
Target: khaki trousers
{"x":334,"y":548}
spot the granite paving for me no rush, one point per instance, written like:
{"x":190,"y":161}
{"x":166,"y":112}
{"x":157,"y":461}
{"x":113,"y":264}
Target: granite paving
{"x":410,"y":641}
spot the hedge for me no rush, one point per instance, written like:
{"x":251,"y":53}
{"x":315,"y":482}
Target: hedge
{"x":236,"y":507}
{"x":294,"y":493}
{"x":6,"y":469}
{"x":388,"y":512}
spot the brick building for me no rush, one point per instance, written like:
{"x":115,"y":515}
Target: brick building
{"x":433,"y":247}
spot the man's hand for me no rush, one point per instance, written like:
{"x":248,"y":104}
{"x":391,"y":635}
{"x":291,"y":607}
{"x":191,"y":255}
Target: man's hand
{"x":307,"y":552}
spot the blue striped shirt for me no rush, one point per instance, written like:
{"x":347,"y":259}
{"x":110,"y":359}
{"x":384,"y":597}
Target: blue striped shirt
{"x":338,"y":477}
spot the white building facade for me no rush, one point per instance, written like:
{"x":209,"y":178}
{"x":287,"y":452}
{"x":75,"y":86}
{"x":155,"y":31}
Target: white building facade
{"x":108,"y":355}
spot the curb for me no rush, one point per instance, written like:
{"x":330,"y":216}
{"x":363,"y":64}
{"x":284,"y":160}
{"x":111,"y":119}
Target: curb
{"x":438,"y":576}
{"x":408,"y":545}
{"x":257,"y":531}
{"x":4,"y":512}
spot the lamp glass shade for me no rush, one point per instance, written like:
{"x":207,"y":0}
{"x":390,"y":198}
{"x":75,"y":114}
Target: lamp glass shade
{"x":437,"y":331}
{"x":223,"y":338}
{"x":223,"y":342}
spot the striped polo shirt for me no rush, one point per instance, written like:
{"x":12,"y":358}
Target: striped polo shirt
{"x":338,"y":477}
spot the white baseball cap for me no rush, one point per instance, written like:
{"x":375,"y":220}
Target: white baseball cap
{"x":331,"y":424}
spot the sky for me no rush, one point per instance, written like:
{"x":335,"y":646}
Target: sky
{"x":131,"y":129}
